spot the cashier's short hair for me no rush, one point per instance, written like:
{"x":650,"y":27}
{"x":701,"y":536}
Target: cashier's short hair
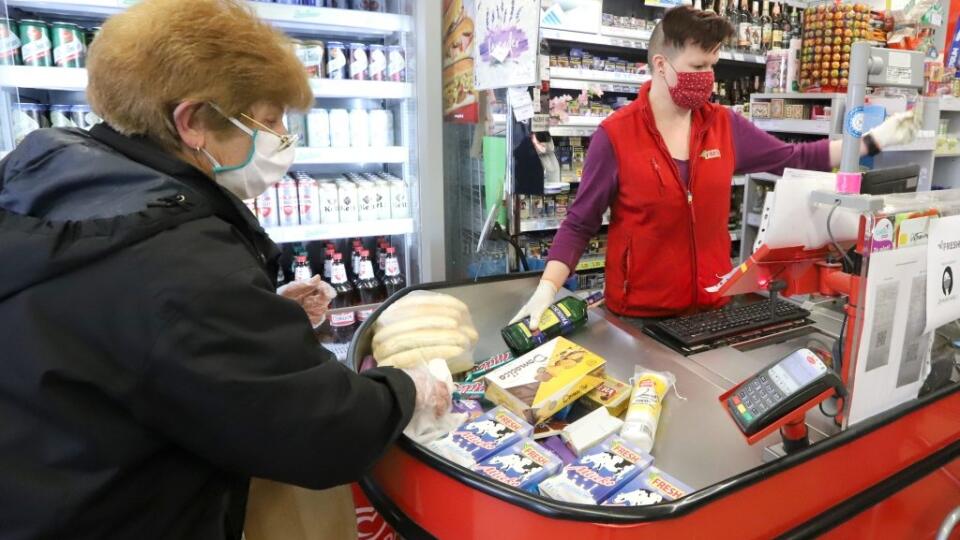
{"x":684,"y":25}
{"x":159,"y":53}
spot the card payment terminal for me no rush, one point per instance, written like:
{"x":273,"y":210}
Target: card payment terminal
{"x":779,"y":389}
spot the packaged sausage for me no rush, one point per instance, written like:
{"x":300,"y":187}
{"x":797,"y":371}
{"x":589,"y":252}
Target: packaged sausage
{"x":598,"y":474}
{"x":483,"y":437}
{"x":523,"y":465}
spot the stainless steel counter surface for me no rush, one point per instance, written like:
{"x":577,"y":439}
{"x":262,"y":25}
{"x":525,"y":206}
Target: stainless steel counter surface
{"x":696,"y":440}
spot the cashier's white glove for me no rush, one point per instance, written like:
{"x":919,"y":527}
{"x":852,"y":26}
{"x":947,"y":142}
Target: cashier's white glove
{"x":895,"y":130}
{"x":542,"y":298}
{"x":434,"y":389}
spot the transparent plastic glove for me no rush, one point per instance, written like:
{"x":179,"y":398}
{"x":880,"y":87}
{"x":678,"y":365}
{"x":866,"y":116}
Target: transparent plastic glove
{"x":895,"y":130}
{"x":314,"y":296}
{"x":542,"y":298}
{"x":432,"y":414}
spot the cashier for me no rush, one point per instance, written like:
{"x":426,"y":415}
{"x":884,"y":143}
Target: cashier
{"x":149,"y":367}
{"x":664,"y":165}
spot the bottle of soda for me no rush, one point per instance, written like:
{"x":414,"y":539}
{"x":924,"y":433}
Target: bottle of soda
{"x":355,"y":261}
{"x":367,"y":284}
{"x":342,"y":323}
{"x":301,"y":269}
{"x":562,"y":318}
{"x":381,"y":258}
{"x":328,"y":264}
{"x":392,"y":278}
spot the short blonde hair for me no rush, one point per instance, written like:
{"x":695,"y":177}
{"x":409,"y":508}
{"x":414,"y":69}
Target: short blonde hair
{"x":159,"y":53}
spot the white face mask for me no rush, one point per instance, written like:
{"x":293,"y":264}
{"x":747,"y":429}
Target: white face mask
{"x":271,"y":156}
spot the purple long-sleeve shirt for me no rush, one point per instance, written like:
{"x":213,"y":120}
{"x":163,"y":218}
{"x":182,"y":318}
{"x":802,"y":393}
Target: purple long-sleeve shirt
{"x":755,"y":151}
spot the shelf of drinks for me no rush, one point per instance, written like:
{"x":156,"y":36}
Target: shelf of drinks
{"x":807,"y":127}
{"x":327,"y":156}
{"x":949,"y":104}
{"x":75,"y":80}
{"x":798,"y":95}
{"x":362,"y":229}
{"x":545,"y":224}
{"x":290,"y":18}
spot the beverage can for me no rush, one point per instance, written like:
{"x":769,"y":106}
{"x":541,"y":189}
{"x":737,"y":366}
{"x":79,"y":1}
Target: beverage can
{"x":35,"y":49}
{"x":399,"y":203}
{"x":396,"y":64}
{"x":29,"y":117}
{"x":318,"y":128}
{"x":9,"y":43}
{"x":289,"y":205}
{"x":62,"y":116}
{"x":382,"y":200}
{"x":336,"y":60}
{"x":267,"y":208}
{"x":358,"y":61}
{"x":68,"y":48}
{"x":367,"y":192}
{"x":312,"y":57}
{"x":84,"y":116}
{"x":339,"y":128}
{"x":377,"y":70}
{"x":359,"y":128}
{"x":348,"y":194}
{"x":308,"y":193}
{"x":329,"y":203}
{"x":381,"y":128}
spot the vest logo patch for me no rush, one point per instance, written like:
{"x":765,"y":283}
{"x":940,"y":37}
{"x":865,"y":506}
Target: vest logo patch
{"x":710,"y":154}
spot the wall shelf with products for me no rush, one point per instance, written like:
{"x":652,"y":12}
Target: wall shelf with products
{"x":334,"y":156}
{"x":361,"y":229}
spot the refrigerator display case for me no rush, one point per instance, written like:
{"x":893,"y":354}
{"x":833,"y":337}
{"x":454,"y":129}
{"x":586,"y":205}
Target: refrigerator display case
{"x":404,"y":105}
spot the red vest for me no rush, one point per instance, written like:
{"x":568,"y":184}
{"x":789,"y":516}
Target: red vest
{"x":666,"y":243}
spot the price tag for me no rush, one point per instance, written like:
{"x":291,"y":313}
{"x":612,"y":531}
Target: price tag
{"x":724,"y":55}
{"x":576,"y":141}
{"x":540,"y":122}
{"x":738,"y":57}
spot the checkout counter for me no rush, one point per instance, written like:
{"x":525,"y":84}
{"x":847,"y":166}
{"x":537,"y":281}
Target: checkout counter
{"x":893,"y":473}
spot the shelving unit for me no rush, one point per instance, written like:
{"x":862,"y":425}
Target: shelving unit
{"x":545,"y":224}
{"x":306,"y":233}
{"x":337,"y":156}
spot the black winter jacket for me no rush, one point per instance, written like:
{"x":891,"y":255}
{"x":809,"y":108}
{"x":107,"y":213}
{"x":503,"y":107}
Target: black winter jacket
{"x":148,"y":368}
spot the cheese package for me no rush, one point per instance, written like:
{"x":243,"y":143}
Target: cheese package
{"x":482,"y":437}
{"x":652,"y":486}
{"x":612,"y":394}
{"x":590,"y":430}
{"x":545,"y":380}
{"x":599,"y":473}
{"x":524,"y":465}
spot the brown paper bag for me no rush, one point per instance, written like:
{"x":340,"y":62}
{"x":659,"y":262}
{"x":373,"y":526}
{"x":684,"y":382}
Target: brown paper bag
{"x":283,"y":512}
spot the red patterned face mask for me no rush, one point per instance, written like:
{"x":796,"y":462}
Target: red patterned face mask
{"x":693,"y":88}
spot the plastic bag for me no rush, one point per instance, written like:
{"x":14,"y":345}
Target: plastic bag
{"x":424,"y":427}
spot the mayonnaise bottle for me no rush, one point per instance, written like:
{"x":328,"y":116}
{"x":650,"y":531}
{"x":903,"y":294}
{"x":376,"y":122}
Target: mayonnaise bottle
{"x":643,"y":413}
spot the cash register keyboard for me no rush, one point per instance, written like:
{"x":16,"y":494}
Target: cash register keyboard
{"x":711,"y":326}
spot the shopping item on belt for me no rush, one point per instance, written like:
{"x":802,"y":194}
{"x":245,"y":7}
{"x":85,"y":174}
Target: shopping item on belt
{"x":545,"y":380}
{"x":612,"y":394}
{"x":651,"y":486}
{"x":483,"y":437}
{"x":523,"y":465}
{"x":590,"y":430}
{"x":599,"y":473}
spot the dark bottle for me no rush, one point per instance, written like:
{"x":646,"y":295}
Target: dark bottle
{"x":728,"y":9}
{"x":343,"y":321}
{"x":794,"y":25}
{"x":355,"y":261}
{"x":766,"y":28}
{"x":328,"y":264}
{"x":301,"y":268}
{"x":744,"y":23}
{"x":776,"y":38}
{"x":756,"y":30}
{"x":393,"y":281}
{"x":562,"y":318}
{"x":381,"y":258}
{"x":367,"y":285}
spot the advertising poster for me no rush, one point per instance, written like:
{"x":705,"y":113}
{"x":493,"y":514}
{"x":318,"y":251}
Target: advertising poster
{"x":460,"y":100}
{"x":943,"y":270}
{"x":508,"y":35}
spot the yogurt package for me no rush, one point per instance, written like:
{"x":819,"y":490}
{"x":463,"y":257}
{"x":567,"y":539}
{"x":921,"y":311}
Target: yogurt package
{"x":652,"y":486}
{"x":599,"y":473}
{"x":482,"y":437}
{"x":523,"y":465}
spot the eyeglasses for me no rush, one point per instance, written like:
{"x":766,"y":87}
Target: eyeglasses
{"x":286,"y":141}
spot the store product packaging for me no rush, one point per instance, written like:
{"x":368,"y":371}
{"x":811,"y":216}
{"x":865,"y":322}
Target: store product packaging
{"x":425,"y":427}
{"x":646,"y":402}
{"x":598,"y":474}
{"x":523,"y":465}
{"x":651,"y":486}
{"x":612,"y":394}
{"x":545,"y":380}
{"x":559,"y":448}
{"x":489,"y":365}
{"x":483,"y":437}
{"x":590,"y":430}
{"x":471,"y":407}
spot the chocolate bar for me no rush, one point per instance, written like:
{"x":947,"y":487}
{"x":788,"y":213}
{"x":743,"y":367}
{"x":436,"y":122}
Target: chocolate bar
{"x":488,"y":365}
{"x":469,"y":390}
{"x":482,"y":437}
{"x":599,"y":473}
{"x":651,"y":486}
{"x":523,"y":465}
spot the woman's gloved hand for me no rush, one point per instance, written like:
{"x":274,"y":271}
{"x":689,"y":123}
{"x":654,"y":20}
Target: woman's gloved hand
{"x":434,"y":390}
{"x":314,"y":295}
{"x":542,"y":298}
{"x":900,"y":128}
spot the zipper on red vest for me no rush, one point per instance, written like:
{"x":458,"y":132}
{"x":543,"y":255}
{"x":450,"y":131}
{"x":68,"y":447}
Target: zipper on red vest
{"x":656,"y":167}
{"x":694,"y":152}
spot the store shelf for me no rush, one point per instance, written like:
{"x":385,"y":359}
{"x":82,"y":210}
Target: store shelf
{"x":323,"y":156}
{"x":633,"y":39}
{"x":44,"y":78}
{"x":334,"y":88}
{"x":925,"y":144}
{"x":748,"y":58}
{"x":294,"y":19}
{"x":585,"y":79}
{"x":594,"y":263}
{"x":577,"y":126}
{"x":949,"y":104}
{"x":809,"y":127}
{"x":629,"y":33}
{"x":308,"y":233}
{"x":798,"y":95}
{"x":545,"y":224}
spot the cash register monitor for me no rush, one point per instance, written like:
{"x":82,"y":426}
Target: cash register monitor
{"x":903,"y":179}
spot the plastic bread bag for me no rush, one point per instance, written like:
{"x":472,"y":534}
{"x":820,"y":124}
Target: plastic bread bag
{"x":422,"y":326}
{"x":646,"y":401}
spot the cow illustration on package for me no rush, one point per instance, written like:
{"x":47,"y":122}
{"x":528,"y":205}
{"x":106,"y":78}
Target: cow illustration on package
{"x":651,"y":486}
{"x":482,"y":437}
{"x":523,"y":465}
{"x":600,"y":472}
